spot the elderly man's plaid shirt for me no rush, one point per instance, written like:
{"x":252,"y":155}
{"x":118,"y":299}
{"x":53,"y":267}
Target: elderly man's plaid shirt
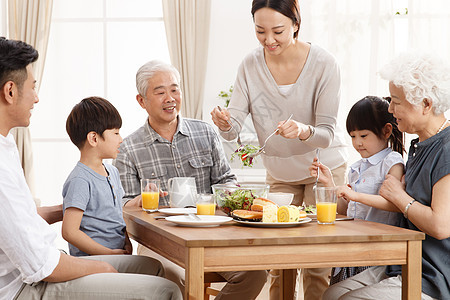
{"x":195,"y":151}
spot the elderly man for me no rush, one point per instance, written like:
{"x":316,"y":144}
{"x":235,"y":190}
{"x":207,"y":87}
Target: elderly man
{"x":31,"y":267}
{"x":170,"y":146}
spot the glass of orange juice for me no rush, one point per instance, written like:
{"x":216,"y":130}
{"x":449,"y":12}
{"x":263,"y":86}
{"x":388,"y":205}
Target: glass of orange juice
{"x":326,"y":204}
{"x":150,"y":194}
{"x":206,"y":204}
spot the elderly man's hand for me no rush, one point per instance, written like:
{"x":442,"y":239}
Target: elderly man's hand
{"x":137,"y":201}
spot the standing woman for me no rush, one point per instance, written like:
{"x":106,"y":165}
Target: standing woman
{"x":287,"y":76}
{"x":420,"y":92}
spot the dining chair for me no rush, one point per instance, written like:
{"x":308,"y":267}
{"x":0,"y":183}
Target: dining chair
{"x":210,"y":278}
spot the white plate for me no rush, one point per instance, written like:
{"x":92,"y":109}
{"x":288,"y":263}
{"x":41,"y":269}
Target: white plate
{"x":275,"y":225}
{"x":174,"y":211}
{"x":206,"y":221}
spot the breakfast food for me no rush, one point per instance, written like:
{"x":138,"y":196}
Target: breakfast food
{"x":247,"y":215}
{"x":303,"y":214}
{"x":270,"y":213}
{"x":260,"y":203}
{"x":289,"y":213}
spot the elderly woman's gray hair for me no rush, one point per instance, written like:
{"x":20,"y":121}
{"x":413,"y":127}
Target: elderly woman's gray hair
{"x":421,"y":76}
{"x":148,"y":70}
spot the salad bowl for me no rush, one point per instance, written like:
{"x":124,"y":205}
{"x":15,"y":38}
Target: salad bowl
{"x":230,"y":197}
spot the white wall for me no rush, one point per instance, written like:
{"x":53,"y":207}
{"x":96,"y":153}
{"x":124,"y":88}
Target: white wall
{"x":231,"y":38}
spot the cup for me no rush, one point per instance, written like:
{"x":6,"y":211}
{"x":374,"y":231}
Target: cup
{"x":326,"y":204}
{"x":182,"y":191}
{"x":206,"y":204}
{"x":150,"y":194}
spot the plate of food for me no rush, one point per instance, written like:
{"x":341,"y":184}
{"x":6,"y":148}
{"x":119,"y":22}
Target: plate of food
{"x":175,"y":211}
{"x":274,"y":224}
{"x":310,"y":210}
{"x":265,"y":213}
{"x":205,"y":220}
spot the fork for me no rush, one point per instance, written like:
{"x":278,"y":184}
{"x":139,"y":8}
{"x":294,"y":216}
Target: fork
{"x":318,"y":170}
{"x":194,"y":217}
{"x":232,"y":127}
{"x":261,"y":150}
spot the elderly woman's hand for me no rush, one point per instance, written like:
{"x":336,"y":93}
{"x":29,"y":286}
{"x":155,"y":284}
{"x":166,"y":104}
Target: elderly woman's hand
{"x":393,"y":189}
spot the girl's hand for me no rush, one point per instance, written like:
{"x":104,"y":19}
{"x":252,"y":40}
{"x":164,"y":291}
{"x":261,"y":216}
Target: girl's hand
{"x":291,"y":129}
{"x":345,"y":192}
{"x":220,"y":118}
{"x":325,"y":176}
{"x":392,"y":188}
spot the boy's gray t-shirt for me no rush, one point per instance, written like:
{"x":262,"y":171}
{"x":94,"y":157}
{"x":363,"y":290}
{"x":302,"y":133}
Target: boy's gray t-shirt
{"x":100,"y":198}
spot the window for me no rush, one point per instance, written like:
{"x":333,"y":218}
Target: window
{"x":95,"y":48}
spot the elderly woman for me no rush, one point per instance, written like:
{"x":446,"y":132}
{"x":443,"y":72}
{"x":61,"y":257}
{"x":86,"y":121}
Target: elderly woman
{"x":420,"y":91}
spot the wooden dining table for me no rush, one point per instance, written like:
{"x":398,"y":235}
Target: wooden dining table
{"x":235,"y":247}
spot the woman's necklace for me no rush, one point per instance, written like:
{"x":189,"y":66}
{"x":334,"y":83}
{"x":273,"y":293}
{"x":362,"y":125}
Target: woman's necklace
{"x":442,"y":126}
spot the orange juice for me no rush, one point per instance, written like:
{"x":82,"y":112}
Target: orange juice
{"x":150,"y":201}
{"x":326,"y":212}
{"x":206,"y":209}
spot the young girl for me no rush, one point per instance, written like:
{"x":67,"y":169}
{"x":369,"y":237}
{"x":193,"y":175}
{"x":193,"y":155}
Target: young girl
{"x":375,"y":136}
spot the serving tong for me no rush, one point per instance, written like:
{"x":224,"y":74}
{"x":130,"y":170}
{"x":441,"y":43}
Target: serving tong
{"x":232,"y":127}
{"x":261,"y":150}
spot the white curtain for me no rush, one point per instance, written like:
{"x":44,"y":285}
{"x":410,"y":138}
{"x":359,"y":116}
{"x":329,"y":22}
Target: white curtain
{"x":187,"y":30}
{"x":29,"y":21}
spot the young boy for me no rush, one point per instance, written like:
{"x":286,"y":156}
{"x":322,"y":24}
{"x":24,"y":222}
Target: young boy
{"x":93,"y":221}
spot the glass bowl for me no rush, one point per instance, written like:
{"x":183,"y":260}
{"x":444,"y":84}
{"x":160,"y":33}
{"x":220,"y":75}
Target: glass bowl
{"x":230,"y":197}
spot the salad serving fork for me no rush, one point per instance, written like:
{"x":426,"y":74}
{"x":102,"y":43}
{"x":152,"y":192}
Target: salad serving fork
{"x":318,"y":170}
{"x":261,"y":150}
{"x":232,"y":127}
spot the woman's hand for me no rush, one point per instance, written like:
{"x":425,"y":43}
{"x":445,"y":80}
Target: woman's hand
{"x":220,"y":118}
{"x":325,"y":176}
{"x":292,"y":129}
{"x":393,"y":190}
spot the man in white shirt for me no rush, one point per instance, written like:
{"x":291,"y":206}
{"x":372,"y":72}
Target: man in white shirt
{"x":30,"y":266}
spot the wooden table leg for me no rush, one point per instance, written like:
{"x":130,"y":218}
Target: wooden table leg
{"x":287,"y":283}
{"x":412,"y":272}
{"x":194,"y":274}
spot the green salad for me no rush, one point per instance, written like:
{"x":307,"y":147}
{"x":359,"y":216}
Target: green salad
{"x":238,"y":199}
{"x":243,"y":153}
{"x":310,"y":209}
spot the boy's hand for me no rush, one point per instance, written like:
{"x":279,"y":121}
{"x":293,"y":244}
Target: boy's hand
{"x":325,"y":176}
{"x":128,"y":249}
{"x":118,"y":251}
{"x":128,"y":246}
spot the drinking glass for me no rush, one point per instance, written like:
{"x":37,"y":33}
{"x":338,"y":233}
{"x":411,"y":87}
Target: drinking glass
{"x":150,"y":194}
{"x":206,"y":204}
{"x":326,"y":204}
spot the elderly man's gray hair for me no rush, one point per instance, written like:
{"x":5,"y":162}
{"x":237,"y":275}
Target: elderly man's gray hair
{"x":148,"y":70}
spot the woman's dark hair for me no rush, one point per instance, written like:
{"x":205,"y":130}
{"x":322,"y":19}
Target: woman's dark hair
{"x":289,"y":8}
{"x":15,"y":56}
{"x":91,"y":114}
{"x":371,"y":113}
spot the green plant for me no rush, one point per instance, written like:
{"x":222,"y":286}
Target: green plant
{"x":226,"y":96}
